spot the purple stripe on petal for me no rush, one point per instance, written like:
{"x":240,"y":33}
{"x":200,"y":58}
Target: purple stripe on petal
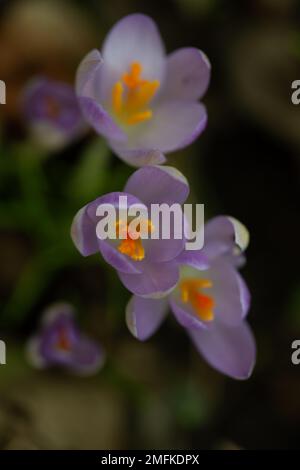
{"x":100,"y":120}
{"x":230,"y":350}
{"x":188,"y":74}
{"x":156,"y":281}
{"x":144,"y":316}
{"x":157,"y":185}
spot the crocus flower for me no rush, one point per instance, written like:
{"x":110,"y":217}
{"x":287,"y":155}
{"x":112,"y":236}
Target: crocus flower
{"x":141,"y":100}
{"x":59,"y":342}
{"x":211,"y":304}
{"x":52,"y":113}
{"x":146,"y":267}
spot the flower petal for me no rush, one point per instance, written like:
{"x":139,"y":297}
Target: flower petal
{"x":138,"y":157}
{"x":144,"y":316}
{"x":188,"y":74}
{"x":117,"y":260}
{"x":229,"y":292}
{"x":87,"y":357}
{"x":225,"y":236}
{"x":83,"y":233}
{"x":230,"y":350}
{"x":100,"y":120}
{"x":86,"y":73}
{"x":183,"y":314}
{"x":156,"y":281}
{"x":134,"y":38}
{"x":158,"y":184}
{"x":194,"y":258}
{"x":174,"y":125}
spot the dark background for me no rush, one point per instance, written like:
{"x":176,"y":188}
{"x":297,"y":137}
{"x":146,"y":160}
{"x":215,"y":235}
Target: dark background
{"x":158,"y":394}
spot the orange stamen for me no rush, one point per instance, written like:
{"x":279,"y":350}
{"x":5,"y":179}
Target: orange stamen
{"x":191,"y":293}
{"x":131,"y":96}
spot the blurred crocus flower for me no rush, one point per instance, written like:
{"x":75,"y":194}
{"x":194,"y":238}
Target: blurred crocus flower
{"x":146,"y":267}
{"x":59,"y":342}
{"x":211,"y":304}
{"x":52,"y":113}
{"x":141,"y":100}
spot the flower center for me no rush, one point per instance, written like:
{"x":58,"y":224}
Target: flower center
{"x":52,"y":107}
{"x":131,"y":96}
{"x":131,"y":243}
{"x":202,"y":304}
{"x":63,"y":342}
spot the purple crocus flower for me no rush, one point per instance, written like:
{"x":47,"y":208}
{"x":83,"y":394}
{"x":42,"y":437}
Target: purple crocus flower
{"x":52,"y":113}
{"x":146,"y":267}
{"x":60,"y":343}
{"x":141,"y":100}
{"x":211,"y":304}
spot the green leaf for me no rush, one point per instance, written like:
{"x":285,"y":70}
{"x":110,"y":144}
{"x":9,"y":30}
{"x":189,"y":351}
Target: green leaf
{"x":89,"y":177}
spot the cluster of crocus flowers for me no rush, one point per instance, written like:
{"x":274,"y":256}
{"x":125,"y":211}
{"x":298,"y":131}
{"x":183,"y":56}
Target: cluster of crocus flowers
{"x":144,"y":102}
{"x":203,"y":288}
{"x":52,"y":113}
{"x":59,"y":342}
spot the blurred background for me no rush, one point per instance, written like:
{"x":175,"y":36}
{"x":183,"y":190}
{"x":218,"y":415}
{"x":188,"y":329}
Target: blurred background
{"x":158,"y":394}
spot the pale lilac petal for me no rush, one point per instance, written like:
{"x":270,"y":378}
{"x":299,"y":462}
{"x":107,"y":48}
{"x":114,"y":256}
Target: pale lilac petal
{"x":100,"y":120}
{"x":158,"y":184}
{"x":230,"y":350}
{"x":161,"y":250}
{"x":245,"y":295}
{"x":184,"y":314}
{"x":225,"y":236}
{"x":174,"y":125}
{"x":157,"y":280}
{"x":144,"y":316}
{"x":87,"y":357}
{"x":134,"y":38}
{"x":117,"y":260}
{"x":83,"y":233}
{"x":228,"y":291}
{"x":194,"y":258}
{"x":137,"y":157}
{"x":114,"y":200}
{"x":188,"y":74}
{"x":86,"y":73}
